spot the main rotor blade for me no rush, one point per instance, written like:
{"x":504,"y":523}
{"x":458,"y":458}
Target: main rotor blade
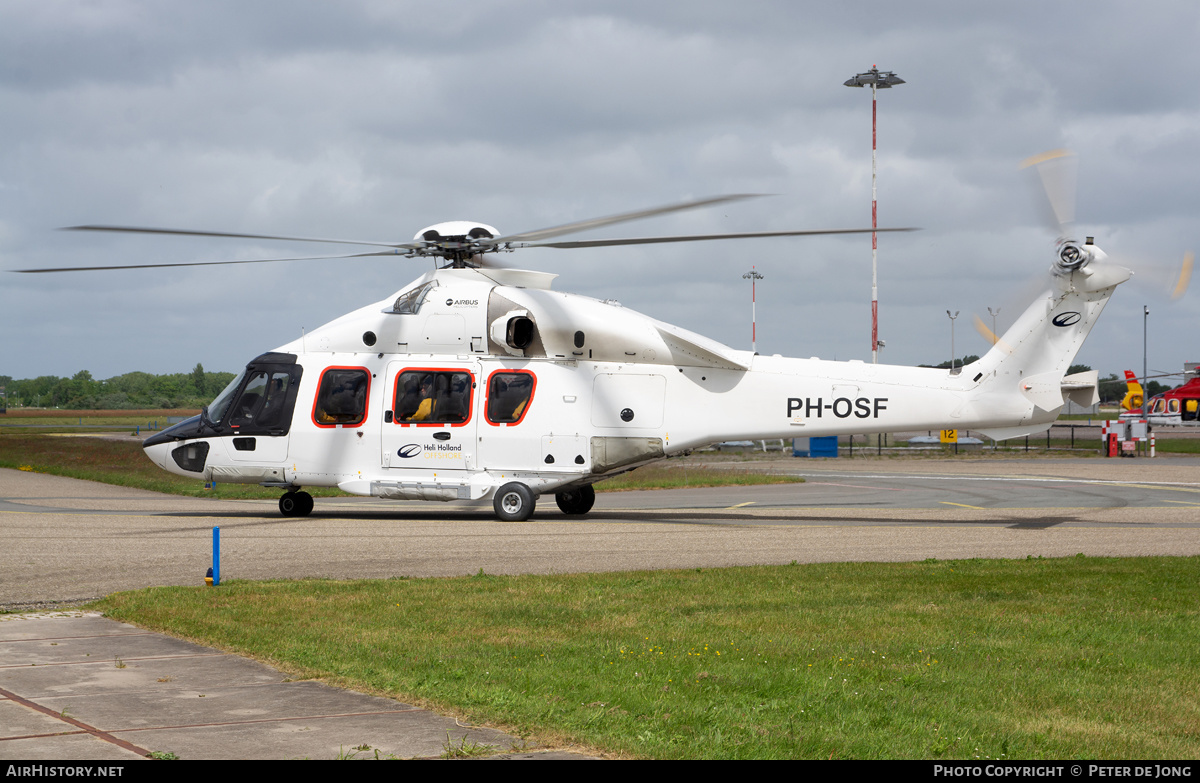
{"x":184,"y":232}
{"x":202,"y":263}
{"x":585,"y":225}
{"x":705,"y":237}
{"x":1058,"y":171}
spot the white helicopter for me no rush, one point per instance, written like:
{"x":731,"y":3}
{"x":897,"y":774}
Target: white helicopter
{"x":475,"y":383}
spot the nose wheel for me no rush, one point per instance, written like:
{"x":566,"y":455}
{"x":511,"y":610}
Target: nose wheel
{"x":514,"y":502}
{"x":296,"y":504}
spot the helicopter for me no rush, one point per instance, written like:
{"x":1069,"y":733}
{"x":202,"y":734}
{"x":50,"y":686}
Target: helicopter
{"x":1179,"y":406}
{"x":478,"y":383}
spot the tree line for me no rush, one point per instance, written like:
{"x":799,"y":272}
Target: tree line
{"x":134,"y":390}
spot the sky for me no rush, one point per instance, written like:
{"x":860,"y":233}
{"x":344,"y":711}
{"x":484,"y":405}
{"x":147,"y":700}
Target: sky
{"x":372,"y":119}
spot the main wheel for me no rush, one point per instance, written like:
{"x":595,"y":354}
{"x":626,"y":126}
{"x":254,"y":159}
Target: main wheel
{"x":296,"y":504}
{"x":576,"y":501}
{"x":514,"y":502}
{"x":290,"y":504}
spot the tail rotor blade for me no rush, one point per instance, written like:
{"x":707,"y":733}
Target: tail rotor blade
{"x":1185,"y":275}
{"x":1058,"y":171}
{"x":1159,"y":276}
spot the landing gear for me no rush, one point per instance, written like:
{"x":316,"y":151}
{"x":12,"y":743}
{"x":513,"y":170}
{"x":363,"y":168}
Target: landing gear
{"x":296,"y":504}
{"x":576,"y":501}
{"x":514,"y":502}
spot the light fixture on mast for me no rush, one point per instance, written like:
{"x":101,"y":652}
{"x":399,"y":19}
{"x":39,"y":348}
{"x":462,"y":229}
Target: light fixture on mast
{"x":878,"y":80}
{"x":753,"y":276}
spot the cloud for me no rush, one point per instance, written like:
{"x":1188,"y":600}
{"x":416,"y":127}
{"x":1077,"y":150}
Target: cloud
{"x":374,"y":119}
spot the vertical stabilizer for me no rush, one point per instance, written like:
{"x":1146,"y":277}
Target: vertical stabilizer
{"x":1132,"y":401}
{"x":1030,"y":361}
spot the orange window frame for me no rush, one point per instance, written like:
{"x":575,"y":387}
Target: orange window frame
{"x":366,"y":400}
{"x":437,"y":371}
{"x":488,"y":397}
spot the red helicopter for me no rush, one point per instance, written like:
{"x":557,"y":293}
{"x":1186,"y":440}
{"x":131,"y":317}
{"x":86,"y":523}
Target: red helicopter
{"x":1178,"y":406}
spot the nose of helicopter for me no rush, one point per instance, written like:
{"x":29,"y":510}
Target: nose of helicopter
{"x":161,"y":447}
{"x":159,"y":453}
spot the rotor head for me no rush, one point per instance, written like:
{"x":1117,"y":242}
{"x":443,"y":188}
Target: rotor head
{"x":461,"y":242}
{"x":1073,"y":256}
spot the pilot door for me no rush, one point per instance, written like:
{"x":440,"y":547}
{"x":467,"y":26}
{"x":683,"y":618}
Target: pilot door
{"x":260,"y":415}
{"x":430,"y":416}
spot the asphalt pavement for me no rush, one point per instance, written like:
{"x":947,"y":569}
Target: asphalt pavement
{"x":79,"y":686}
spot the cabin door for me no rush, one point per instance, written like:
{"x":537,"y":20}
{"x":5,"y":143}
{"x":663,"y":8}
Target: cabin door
{"x":430,"y":416}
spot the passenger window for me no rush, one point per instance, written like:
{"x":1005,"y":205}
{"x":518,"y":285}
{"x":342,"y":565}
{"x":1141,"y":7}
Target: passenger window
{"x":432,"y":397}
{"x":509,"y":396}
{"x":1173,"y":406}
{"x":342,"y":397}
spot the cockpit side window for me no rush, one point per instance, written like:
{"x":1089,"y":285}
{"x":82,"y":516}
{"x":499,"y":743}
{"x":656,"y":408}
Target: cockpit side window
{"x":409,"y":303}
{"x":260,"y":400}
{"x":433,"y":397}
{"x":510,"y":394}
{"x":250,"y":401}
{"x":342,"y":397}
{"x":216,"y":411}
{"x":275,"y":409}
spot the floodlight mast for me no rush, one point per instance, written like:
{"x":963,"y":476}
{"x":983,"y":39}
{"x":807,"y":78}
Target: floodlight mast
{"x":753,"y":276}
{"x":877,"y":79}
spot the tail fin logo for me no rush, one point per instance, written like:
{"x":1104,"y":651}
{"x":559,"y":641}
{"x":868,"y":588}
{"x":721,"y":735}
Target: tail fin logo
{"x":1066,"y":319}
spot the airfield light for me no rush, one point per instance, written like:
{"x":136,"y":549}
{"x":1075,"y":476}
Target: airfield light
{"x":878,"y":80}
{"x":953,"y":371}
{"x":753,"y":277}
{"x":1145,"y":372}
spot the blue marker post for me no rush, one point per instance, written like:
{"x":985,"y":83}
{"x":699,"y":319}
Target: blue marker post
{"x":216,"y":566}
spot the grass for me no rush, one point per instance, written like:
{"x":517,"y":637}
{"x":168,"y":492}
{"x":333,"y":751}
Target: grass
{"x":1071,"y":658}
{"x":465,"y":748}
{"x":117,"y":419}
{"x":1177,"y":446}
{"x":122,"y":463}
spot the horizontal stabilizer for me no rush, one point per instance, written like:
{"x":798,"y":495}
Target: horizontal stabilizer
{"x":1082,"y":388}
{"x":1044,"y":390}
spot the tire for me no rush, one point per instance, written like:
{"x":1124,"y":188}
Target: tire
{"x":576,"y":501}
{"x":514,"y":502}
{"x":290,"y":504}
{"x":305,"y":504}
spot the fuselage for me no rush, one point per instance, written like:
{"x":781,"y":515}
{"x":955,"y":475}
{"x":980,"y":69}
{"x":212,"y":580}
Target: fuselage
{"x":469,"y":379}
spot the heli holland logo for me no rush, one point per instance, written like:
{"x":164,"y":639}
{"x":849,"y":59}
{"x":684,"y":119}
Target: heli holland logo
{"x":409,"y":450}
{"x":1066,"y":319}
